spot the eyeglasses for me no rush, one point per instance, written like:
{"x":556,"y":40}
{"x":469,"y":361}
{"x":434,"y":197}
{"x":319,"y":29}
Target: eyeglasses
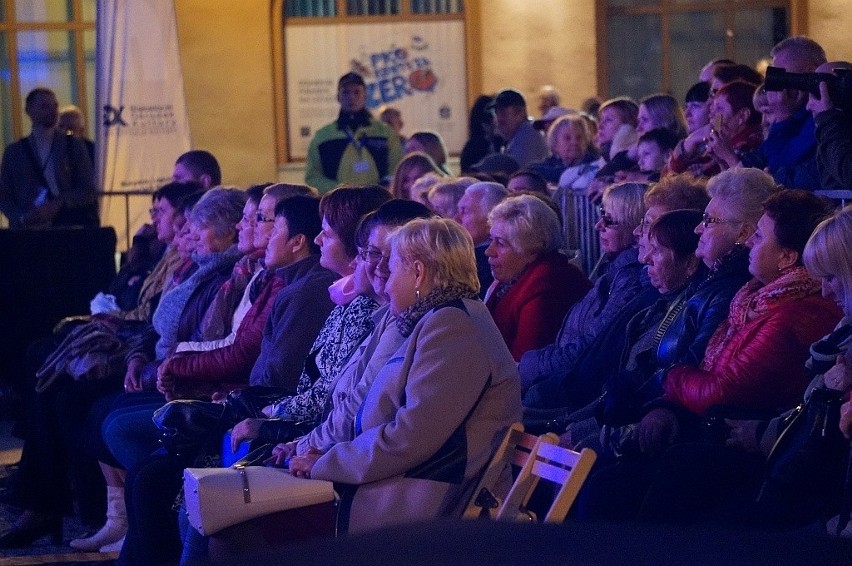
{"x":248,"y":219}
{"x":707,"y":220}
{"x":372,"y":255}
{"x":261,"y":218}
{"x":607,"y":219}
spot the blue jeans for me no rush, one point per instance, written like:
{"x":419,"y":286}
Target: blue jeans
{"x":195,"y":545}
{"x":129,"y":432}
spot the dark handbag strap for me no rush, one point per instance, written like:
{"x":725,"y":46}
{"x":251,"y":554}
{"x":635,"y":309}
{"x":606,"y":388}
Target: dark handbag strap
{"x":816,"y":416}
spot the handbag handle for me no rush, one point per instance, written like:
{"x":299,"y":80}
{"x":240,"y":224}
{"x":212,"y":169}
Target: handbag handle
{"x":244,"y":479}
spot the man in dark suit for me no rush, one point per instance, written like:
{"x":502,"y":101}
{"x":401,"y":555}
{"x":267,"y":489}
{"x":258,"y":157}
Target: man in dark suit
{"x":47,"y":178}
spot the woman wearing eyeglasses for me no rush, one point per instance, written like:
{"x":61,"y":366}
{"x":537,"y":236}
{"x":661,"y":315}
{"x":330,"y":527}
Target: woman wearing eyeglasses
{"x":615,"y":282}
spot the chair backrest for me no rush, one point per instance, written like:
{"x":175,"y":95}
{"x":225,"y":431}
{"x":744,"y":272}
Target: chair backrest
{"x":554,"y":464}
{"x":511,"y":456}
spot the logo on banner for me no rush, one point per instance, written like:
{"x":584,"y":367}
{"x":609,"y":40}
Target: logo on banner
{"x":157,"y":119}
{"x":397,"y":72}
{"x":112,"y":116}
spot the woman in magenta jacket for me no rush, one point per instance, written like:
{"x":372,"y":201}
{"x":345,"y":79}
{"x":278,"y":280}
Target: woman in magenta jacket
{"x":534,"y":285}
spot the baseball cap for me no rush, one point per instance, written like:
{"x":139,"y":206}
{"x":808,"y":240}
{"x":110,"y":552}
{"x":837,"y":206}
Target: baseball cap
{"x":506,"y":98}
{"x":496,"y":163}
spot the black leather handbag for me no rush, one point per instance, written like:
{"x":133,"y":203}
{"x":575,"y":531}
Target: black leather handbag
{"x":807,"y":465}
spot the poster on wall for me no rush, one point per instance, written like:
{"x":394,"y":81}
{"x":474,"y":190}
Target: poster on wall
{"x":143,"y":125}
{"x":418,"y":68}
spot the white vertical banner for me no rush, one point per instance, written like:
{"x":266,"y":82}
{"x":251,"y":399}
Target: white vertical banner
{"x":143,"y":126}
{"x":417,"y":67}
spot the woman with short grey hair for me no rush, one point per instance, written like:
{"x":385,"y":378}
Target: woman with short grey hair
{"x":220,"y":209}
{"x":534,"y":285}
{"x":531,"y":227}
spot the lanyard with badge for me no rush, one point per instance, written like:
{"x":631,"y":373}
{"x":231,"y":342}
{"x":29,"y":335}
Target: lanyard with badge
{"x":360,"y":165}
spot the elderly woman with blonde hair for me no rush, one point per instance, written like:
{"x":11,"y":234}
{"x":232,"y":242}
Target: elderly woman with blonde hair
{"x":534,"y":284}
{"x":451,"y":363}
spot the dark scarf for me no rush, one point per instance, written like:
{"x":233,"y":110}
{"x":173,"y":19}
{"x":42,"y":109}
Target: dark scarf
{"x":353,"y":120}
{"x":502,"y":288}
{"x":734,"y":260}
{"x":825,"y":350}
{"x":408,"y":319}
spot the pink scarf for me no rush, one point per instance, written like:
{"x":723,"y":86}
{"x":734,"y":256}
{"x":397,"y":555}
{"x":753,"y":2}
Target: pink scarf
{"x":754,"y":299}
{"x":342,"y":291}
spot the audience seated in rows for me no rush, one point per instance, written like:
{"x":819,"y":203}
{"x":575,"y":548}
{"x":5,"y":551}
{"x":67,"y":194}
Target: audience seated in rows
{"x":720,"y":482}
{"x":338,"y":324}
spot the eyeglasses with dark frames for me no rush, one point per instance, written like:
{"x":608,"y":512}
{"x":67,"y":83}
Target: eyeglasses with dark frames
{"x":261,"y":218}
{"x":372,"y":255}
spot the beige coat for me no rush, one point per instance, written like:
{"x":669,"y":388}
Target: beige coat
{"x":433,"y":417}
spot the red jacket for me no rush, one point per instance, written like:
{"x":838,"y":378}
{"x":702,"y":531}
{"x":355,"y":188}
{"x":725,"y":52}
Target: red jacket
{"x":201,"y":372}
{"x":763,"y":366}
{"x":531,"y":313}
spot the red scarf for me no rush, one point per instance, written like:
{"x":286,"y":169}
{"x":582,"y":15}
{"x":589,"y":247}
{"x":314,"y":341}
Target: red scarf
{"x":754,"y":299}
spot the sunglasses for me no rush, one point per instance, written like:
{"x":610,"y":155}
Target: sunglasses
{"x":607,"y":219}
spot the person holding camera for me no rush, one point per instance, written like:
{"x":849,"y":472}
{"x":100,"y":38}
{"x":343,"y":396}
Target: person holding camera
{"x":789,"y":151}
{"x":833,"y":129}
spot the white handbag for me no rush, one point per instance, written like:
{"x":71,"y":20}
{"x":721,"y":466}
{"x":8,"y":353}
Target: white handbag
{"x":217,"y":498}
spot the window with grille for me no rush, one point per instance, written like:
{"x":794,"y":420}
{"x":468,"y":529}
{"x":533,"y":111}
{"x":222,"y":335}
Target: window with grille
{"x":48,"y":43}
{"x":648,"y":46}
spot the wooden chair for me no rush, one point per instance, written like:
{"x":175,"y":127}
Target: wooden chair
{"x":513,"y":453}
{"x":560,"y":466}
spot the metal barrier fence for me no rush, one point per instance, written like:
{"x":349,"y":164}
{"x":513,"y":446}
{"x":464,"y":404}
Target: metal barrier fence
{"x":579,"y":216}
